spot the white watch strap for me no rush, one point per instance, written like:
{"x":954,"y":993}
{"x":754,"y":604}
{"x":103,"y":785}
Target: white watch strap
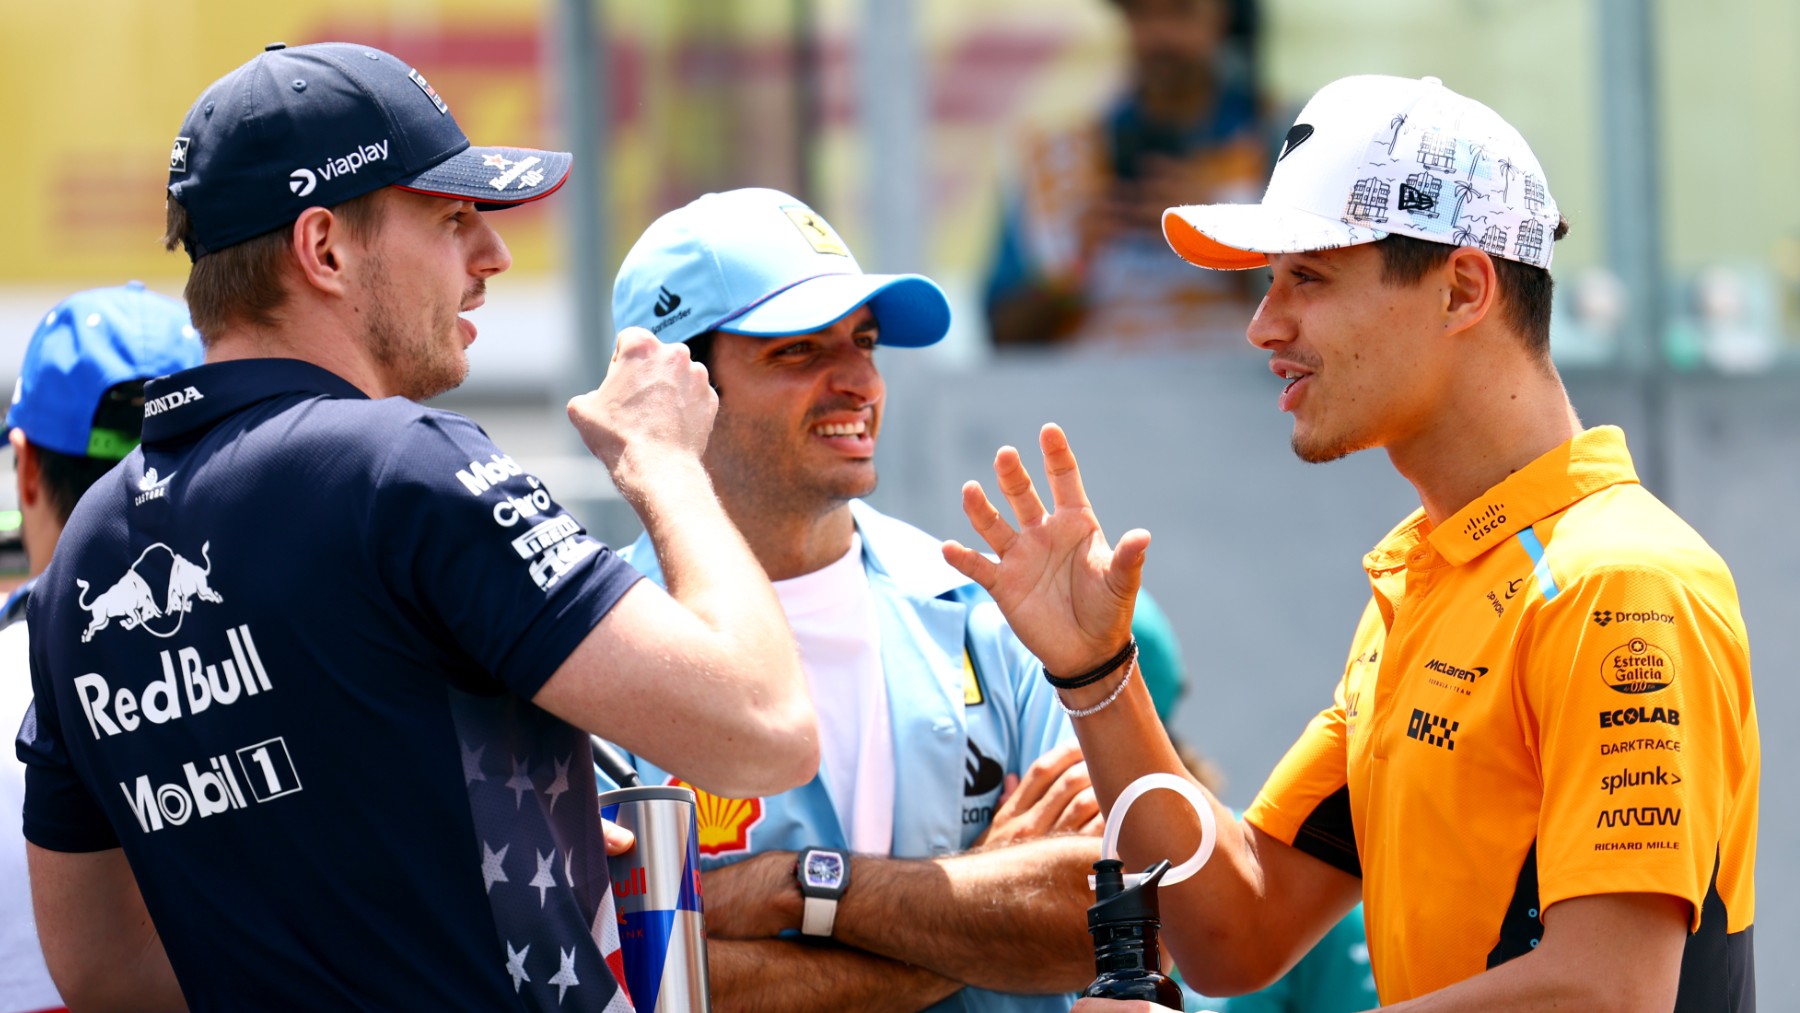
{"x":818,"y":916}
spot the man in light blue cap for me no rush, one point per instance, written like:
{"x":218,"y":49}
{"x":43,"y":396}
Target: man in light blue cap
{"x":77,"y":409}
{"x":947,"y":765}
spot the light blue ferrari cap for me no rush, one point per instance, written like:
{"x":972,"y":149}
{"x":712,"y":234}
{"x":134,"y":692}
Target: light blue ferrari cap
{"x":762,"y":263}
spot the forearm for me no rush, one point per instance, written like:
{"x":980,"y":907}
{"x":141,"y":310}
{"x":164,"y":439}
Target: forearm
{"x":98,"y":940}
{"x":1606,"y":953}
{"x":1010,"y":919}
{"x":785,"y":976}
{"x":1256,"y":907}
{"x":708,"y":567}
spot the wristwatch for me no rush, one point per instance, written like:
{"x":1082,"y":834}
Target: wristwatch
{"x":824,"y":875}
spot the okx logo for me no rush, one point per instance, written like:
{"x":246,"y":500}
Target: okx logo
{"x":1432,"y":729}
{"x":132,"y":600}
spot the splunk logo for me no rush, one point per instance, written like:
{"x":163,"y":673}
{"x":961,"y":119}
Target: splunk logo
{"x":1628,"y":778}
{"x":1487,"y":522}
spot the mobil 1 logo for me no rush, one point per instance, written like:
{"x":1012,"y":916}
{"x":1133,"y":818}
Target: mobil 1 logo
{"x":256,"y":773}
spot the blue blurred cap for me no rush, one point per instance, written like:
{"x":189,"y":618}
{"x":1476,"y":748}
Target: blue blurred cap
{"x":91,"y":342}
{"x":760,"y":262}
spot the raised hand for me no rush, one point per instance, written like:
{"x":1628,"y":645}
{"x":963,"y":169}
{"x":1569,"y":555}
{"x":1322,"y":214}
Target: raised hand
{"x":1066,"y":592}
{"x":655,"y":403}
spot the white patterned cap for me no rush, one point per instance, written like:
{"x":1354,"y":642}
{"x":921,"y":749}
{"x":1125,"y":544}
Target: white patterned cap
{"x":1376,"y":156}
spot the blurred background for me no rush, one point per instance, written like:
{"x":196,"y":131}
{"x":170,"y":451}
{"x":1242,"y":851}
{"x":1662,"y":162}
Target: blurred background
{"x":1010,"y":149}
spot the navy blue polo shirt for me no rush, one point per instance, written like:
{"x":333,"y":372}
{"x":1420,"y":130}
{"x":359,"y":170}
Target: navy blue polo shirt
{"x":284,"y":657}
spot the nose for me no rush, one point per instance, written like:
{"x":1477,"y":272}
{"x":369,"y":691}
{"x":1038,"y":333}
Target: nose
{"x":855,"y":375}
{"x":1270,"y":326}
{"x":489,"y":255}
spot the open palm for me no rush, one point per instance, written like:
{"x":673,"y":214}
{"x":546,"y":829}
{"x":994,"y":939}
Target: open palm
{"x":1066,"y":592}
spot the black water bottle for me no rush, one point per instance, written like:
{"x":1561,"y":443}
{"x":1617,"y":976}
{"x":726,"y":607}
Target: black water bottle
{"x":1124,"y":924}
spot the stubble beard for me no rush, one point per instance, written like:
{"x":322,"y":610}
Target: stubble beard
{"x":420,"y":366}
{"x":752,"y":476}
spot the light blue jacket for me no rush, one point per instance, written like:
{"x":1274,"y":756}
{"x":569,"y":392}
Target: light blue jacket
{"x":952,"y":746}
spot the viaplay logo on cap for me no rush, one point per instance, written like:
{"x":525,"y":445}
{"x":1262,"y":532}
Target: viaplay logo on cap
{"x":303,"y":181}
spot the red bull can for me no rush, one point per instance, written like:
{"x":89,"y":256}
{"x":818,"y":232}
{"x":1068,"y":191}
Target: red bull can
{"x":656,"y":887}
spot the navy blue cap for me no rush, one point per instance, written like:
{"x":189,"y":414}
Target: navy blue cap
{"x":318,"y":125}
{"x":91,"y":342}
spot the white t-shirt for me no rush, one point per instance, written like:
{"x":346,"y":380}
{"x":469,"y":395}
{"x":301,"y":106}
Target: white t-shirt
{"x":24,"y":981}
{"x":832,"y":613}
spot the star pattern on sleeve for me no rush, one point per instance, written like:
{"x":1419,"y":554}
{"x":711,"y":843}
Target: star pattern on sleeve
{"x":559,"y":783}
{"x":545,"y":877}
{"x":515,"y":964}
{"x":520,"y":782}
{"x":491,"y":865}
{"x":471,"y":759}
{"x":565,"y":975}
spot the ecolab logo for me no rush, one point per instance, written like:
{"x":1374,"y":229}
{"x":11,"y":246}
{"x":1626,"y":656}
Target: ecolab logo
{"x":1640,"y":716}
{"x":173,"y":399}
{"x":303,"y":181}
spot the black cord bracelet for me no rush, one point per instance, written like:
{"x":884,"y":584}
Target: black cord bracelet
{"x":1093,"y":675}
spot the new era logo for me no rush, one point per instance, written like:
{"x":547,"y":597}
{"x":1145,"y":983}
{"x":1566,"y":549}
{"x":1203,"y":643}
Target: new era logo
{"x":1296,"y":136}
{"x":1414,"y":199}
{"x":178,"y":155}
{"x":667,"y":302}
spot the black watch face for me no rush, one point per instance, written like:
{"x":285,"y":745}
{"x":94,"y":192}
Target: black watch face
{"x":824,"y":869}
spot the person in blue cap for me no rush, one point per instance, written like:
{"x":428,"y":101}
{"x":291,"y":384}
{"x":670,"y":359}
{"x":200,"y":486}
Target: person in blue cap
{"x":899,"y":878}
{"x":77,"y":409}
{"x":304,"y":656}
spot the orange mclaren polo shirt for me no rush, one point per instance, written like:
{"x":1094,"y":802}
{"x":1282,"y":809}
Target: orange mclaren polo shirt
{"x":1548,"y":697}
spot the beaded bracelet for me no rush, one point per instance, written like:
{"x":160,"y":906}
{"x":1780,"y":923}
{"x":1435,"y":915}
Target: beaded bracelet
{"x":1118,"y":691}
{"x":1095,"y":674}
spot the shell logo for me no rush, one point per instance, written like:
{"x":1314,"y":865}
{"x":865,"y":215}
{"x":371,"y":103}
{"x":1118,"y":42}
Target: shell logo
{"x":725,"y":823}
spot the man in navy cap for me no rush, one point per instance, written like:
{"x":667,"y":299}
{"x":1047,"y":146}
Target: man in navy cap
{"x":928,"y":706}
{"x":306,"y":654}
{"x":78,"y":408}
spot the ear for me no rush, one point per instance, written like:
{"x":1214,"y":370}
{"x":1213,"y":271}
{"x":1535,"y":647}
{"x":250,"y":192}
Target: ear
{"x":30,"y":474}
{"x":323,"y":251}
{"x":1471,"y":288}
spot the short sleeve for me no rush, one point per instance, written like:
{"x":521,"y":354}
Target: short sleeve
{"x":1640,"y":687}
{"x":1306,"y":800}
{"x":994,"y":651}
{"x":478,"y":546}
{"x":60,"y":813}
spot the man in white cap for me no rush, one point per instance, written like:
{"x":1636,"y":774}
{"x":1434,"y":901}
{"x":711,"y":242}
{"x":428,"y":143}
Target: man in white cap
{"x":1540,"y":767}
{"x":888,"y":865}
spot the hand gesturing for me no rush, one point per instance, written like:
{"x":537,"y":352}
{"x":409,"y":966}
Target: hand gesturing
{"x":1066,"y":592}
